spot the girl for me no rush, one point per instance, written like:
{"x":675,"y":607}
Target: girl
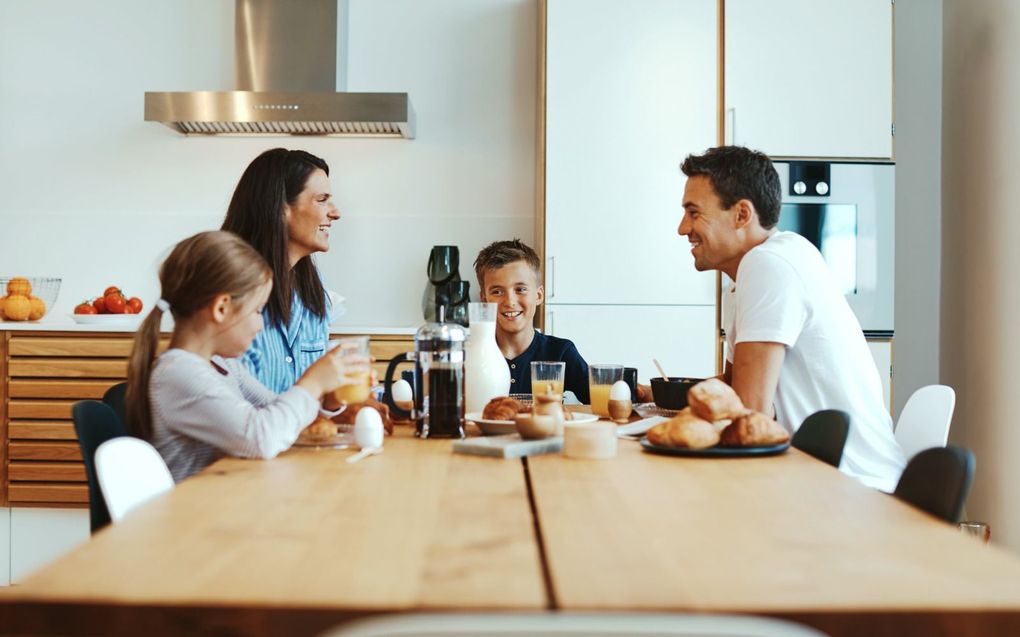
{"x":196,"y":402}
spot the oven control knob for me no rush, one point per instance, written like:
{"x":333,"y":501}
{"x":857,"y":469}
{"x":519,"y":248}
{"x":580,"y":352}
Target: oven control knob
{"x":822,"y":188}
{"x":799,"y":187}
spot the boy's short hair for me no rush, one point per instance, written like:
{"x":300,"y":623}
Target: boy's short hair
{"x":500,"y":253}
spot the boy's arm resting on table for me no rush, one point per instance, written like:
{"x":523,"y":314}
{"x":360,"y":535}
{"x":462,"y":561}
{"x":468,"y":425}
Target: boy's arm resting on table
{"x":754,"y":374}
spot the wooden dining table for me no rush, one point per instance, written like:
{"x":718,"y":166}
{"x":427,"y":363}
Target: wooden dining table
{"x":306,"y":541}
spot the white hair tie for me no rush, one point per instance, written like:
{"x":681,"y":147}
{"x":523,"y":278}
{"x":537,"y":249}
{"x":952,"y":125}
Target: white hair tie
{"x":163,"y":305}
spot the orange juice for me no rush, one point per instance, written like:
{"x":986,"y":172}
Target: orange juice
{"x":357,"y":392}
{"x":600,"y":399}
{"x":542,"y":387}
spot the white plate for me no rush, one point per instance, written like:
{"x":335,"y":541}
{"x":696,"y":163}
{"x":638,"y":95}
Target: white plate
{"x":500,"y":427}
{"x":107,"y":319}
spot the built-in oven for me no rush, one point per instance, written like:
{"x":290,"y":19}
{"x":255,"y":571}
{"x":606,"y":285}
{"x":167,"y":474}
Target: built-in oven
{"x":847,"y":210}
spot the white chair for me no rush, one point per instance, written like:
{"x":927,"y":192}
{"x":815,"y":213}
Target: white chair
{"x":924,"y":421}
{"x":570,"y":625}
{"x":130,"y":472}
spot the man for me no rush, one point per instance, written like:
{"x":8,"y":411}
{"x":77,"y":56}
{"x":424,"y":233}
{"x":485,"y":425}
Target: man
{"x":794,"y":346}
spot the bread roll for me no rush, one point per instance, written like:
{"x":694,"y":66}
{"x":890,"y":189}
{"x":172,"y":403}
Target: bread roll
{"x":753,"y":429}
{"x":684,"y":430}
{"x":320,"y":429}
{"x":502,"y":408}
{"x":714,"y":400}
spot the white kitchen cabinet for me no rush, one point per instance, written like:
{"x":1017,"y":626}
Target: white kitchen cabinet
{"x":630,"y":91}
{"x":5,"y":546}
{"x":810,"y":78}
{"x":39,"y":536}
{"x":682,"y":338}
{"x":881,"y":351}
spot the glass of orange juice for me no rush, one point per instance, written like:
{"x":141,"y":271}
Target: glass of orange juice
{"x":600,"y":381}
{"x":547,"y":377}
{"x":359,"y":388}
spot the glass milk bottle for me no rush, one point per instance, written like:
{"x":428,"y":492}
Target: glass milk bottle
{"x":486,"y":374}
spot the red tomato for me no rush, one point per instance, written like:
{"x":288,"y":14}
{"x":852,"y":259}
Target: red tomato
{"x":135,"y":304}
{"x":100,"y":304}
{"x":114,"y":303}
{"x":113,"y":289}
{"x":85,"y":308}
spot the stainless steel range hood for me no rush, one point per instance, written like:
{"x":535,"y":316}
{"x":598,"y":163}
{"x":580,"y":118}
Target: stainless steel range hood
{"x":286,"y":56}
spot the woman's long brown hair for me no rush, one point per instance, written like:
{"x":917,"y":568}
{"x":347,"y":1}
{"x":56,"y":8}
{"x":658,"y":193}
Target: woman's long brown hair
{"x":199,"y":269}
{"x":272,"y":181}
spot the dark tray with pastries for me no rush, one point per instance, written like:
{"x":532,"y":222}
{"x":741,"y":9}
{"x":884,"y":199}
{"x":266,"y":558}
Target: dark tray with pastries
{"x":715,"y":452}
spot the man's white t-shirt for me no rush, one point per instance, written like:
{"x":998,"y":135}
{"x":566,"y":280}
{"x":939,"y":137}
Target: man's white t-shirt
{"x":785,"y":293}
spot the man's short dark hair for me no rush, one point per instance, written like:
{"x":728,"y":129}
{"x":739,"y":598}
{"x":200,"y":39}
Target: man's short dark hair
{"x":740,"y":173}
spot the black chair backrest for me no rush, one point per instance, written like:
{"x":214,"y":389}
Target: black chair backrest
{"x":937,"y":480}
{"x":823,"y":435}
{"x":95,"y":423}
{"x":114,"y":397}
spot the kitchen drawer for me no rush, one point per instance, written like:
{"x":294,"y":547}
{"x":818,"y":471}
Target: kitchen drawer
{"x":42,"y":375}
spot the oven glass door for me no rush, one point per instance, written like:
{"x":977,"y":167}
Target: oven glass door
{"x":833,"y":230}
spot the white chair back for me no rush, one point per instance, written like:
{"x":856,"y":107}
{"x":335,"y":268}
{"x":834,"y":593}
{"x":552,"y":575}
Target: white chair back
{"x":570,"y":625}
{"x":130,"y":472}
{"x":925,"y":419}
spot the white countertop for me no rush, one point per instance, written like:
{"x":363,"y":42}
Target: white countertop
{"x":59,"y":323}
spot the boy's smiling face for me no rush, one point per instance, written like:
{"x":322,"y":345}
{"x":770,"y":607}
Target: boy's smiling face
{"x":515,"y":289}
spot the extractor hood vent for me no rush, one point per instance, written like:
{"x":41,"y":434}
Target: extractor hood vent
{"x":286,"y":61}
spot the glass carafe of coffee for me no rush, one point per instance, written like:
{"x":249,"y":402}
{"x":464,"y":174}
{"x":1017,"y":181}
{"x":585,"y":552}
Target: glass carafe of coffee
{"x":438,"y":358}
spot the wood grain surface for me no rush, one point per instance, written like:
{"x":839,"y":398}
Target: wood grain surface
{"x":784,"y":534}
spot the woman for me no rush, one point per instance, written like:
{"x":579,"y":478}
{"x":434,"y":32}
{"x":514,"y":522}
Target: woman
{"x":283,"y":206}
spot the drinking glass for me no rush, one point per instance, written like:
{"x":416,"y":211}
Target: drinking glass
{"x":979,"y":530}
{"x":600,"y":381}
{"x":358,"y":389}
{"x":547,"y":377}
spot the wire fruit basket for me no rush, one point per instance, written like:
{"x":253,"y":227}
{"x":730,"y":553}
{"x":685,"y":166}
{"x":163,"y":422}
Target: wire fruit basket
{"x":27,"y":298}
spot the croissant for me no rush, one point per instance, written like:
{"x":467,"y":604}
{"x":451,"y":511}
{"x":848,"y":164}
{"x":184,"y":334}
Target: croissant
{"x":684,"y":430}
{"x":714,"y":400}
{"x":753,"y":429}
{"x":502,"y":408}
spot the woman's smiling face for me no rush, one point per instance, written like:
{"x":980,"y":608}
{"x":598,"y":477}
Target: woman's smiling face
{"x":309,"y":218}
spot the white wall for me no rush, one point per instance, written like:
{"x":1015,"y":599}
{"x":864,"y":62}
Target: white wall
{"x":95,"y":195}
{"x":980,"y":353}
{"x":918,"y":198}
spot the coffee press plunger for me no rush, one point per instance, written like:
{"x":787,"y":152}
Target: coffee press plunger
{"x":438,"y":358}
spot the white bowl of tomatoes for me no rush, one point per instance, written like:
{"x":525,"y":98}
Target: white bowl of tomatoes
{"x":114,"y":304}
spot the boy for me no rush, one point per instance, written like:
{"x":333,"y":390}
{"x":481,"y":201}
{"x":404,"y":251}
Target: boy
{"x":508,"y":275}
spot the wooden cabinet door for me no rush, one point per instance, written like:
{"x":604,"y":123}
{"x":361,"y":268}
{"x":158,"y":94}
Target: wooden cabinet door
{"x":631,"y":89}
{"x":810,"y":78}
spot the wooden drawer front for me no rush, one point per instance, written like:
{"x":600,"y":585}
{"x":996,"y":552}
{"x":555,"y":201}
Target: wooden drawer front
{"x":67,"y":368}
{"x":46,"y":471}
{"x":76,"y":347}
{"x":49,"y":493}
{"x":385,"y":350}
{"x":77,"y":389}
{"x":46,"y":375}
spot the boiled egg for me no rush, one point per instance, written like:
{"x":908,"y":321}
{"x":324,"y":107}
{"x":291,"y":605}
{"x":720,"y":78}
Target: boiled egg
{"x":368,"y":428}
{"x":402,"y":394}
{"x":619,"y":391}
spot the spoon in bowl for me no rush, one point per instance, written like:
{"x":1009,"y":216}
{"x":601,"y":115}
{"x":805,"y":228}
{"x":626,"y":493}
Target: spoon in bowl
{"x":662,"y":372}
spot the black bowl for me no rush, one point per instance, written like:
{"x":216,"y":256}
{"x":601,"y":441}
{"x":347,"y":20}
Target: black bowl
{"x":672,"y":394}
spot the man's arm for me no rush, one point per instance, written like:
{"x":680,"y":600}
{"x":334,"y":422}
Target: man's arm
{"x":754,"y":374}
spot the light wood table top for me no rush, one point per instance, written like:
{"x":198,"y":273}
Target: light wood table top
{"x":416,"y":527}
{"x":303,"y":542}
{"x":784,"y":535}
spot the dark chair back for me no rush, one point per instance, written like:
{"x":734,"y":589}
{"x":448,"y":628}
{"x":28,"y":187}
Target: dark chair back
{"x":823,"y":435}
{"x":938,"y":480}
{"x":114,"y":397}
{"x":95,"y":423}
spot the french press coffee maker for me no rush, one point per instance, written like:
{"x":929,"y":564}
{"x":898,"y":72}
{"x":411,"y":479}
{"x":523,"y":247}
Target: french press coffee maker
{"x":438,"y":358}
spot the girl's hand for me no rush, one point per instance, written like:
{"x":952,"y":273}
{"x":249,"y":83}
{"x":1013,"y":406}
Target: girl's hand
{"x":334,"y":369}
